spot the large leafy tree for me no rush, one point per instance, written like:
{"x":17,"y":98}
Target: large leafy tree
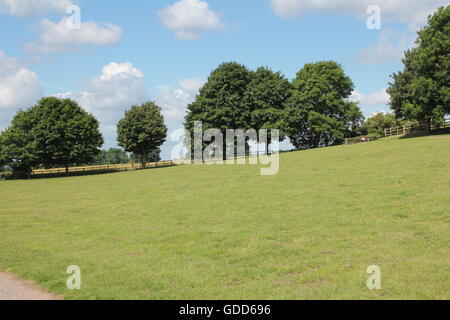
{"x":221,"y":102}
{"x":142,"y":130}
{"x":18,"y":147}
{"x":65,"y":133}
{"x":267,"y":95}
{"x":319,"y":112}
{"x":55,"y":132}
{"x":421,"y":91}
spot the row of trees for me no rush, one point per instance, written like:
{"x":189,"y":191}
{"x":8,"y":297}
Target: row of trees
{"x":58,"y":132}
{"x":119,"y":156}
{"x":313,"y":110}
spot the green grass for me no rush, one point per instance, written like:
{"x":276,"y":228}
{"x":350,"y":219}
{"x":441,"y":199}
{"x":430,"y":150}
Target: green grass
{"x":225,"y":232}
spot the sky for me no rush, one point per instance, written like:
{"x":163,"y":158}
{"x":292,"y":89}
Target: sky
{"x":110,"y":55}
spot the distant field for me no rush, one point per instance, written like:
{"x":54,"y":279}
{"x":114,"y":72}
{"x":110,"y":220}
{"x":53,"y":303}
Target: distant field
{"x":225,"y":232}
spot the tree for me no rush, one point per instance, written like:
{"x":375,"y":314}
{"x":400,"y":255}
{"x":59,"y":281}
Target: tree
{"x":221,"y":103}
{"x":319,"y":112}
{"x":378,"y":123}
{"x":18,"y":147}
{"x":55,"y":132}
{"x":142,"y":130}
{"x":65,"y":133}
{"x":112,"y":156}
{"x":422,"y":90}
{"x":266,"y":96}
{"x":153,"y":156}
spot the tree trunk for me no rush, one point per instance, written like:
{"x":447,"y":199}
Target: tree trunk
{"x":316,"y":141}
{"x":224,"y":156}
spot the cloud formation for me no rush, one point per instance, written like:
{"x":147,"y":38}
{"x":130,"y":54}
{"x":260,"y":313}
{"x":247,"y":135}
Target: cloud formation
{"x":110,"y":94}
{"x":190,"y":19}
{"x":19,"y":87}
{"x":22,"y":8}
{"x":376,"y":98}
{"x":59,"y":37}
{"x":173,"y":101}
{"x":412,"y":11}
{"x":390,"y":48}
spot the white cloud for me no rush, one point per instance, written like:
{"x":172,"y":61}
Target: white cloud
{"x":191,"y":85}
{"x":122,"y":85}
{"x":372,"y":102}
{"x":119,"y":86}
{"x":173,"y":102}
{"x":58,"y":37}
{"x":110,"y":94}
{"x":376,"y":98}
{"x":378,"y":112}
{"x":22,"y":8}
{"x":19,"y":87}
{"x":190,"y":19}
{"x":390,"y":48}
{"x":412,"y":11}
{"x":8,"y":64}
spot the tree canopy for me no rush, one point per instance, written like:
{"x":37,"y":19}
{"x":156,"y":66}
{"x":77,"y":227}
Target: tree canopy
{"x":221,"y":102}
{"x":379,"y":122}
{"x":55,"y":132}
{"x":318,"y":111}
{"x":422,"y":90}
{"x":17,"y":146}
{"x":267,"y":95}
{"x":142,"y":130}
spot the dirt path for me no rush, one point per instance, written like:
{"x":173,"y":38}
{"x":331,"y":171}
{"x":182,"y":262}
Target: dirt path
{"x":12,"y":288}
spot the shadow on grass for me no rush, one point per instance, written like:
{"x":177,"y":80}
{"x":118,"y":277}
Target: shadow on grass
{"x":81,"y":173}
{"x":419,"y":134}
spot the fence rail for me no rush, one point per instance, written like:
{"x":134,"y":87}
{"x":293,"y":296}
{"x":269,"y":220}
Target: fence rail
{"x":128,"y":166}
{"x":402,"y":130}
{"x":101,"y":168}
{"x":391,"y":132}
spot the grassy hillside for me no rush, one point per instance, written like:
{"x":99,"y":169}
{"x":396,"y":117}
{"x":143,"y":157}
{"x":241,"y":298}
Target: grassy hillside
{"x":220,"y":232}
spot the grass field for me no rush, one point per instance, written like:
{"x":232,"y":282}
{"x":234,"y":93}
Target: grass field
{"x":225,"y":232}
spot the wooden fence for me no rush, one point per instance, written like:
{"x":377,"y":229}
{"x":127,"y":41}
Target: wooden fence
{"x":128,"y":166}
{"x":100,"y":168}
{"x":402,"y":130}
{"x":391,"y":132}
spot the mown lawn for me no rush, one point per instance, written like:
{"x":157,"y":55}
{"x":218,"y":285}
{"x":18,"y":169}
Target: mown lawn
{"x":225,"y":232}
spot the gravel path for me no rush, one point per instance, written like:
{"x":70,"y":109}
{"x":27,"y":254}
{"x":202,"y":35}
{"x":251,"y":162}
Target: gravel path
{"x":12,"y":288}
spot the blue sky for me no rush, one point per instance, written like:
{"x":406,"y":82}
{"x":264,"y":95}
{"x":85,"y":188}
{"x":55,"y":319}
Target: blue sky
{"x":127,"y":52}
